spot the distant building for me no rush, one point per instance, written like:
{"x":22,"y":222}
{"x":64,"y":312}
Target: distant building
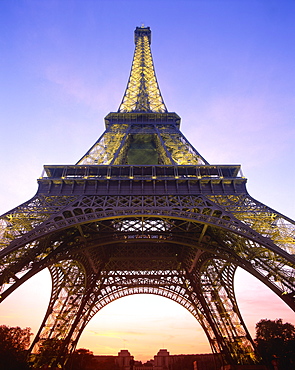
{"x":164,"y":361}
{"x":124,"y":360}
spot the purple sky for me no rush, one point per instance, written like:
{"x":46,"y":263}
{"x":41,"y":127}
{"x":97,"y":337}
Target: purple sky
{"x":226,"y":67}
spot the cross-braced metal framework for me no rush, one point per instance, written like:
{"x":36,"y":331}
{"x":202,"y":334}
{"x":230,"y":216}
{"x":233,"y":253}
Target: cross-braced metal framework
{"x":142,"y":93}
{"x":143,"y":212}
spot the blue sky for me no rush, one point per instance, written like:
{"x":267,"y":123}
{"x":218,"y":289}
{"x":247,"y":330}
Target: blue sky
{"x":226,"y":67}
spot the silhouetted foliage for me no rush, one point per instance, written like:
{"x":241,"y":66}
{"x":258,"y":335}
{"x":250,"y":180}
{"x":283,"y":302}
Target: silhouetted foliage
{"x":81,"y":359}
{"x":276,"y":343}
{"x":50,"y":352}
{"x":14,"y":343}
{"x":108,"y":363}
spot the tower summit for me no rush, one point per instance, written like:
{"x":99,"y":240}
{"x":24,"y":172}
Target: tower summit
{"x":142,"y":93}
{"x":143,"y":212}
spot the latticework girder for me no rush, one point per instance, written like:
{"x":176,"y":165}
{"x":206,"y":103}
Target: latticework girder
{"x":68,"y":278}
{"x":142,"y":93}
{"x":228,"y":333}
{"x":20,"y":220}
{"x":105,"y":149}
{"x":151,"y":144}
{"x":266,"y":221}
{"x":135,"y":217}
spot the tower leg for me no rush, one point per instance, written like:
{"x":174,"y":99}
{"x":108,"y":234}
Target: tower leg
{"x":68,"y":289}
{"x":213,"y":280}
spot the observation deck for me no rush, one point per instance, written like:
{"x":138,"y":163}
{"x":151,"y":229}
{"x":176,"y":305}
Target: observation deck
{"x":127,"y":179}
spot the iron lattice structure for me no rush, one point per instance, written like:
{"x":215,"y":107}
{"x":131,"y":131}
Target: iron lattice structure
{"x":144,"y":212}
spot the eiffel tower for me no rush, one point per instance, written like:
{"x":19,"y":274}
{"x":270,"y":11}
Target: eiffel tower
{"x":143,"y":212}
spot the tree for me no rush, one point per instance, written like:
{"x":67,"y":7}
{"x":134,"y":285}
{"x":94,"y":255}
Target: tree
{"x":51,"y":351}
{"x":81,"y":359}
{"x":276,"y":343}
{"x":14,"y":343}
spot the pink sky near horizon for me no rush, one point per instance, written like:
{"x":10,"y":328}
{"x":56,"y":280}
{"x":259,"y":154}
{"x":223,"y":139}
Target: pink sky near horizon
{"x":227,"y":68}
